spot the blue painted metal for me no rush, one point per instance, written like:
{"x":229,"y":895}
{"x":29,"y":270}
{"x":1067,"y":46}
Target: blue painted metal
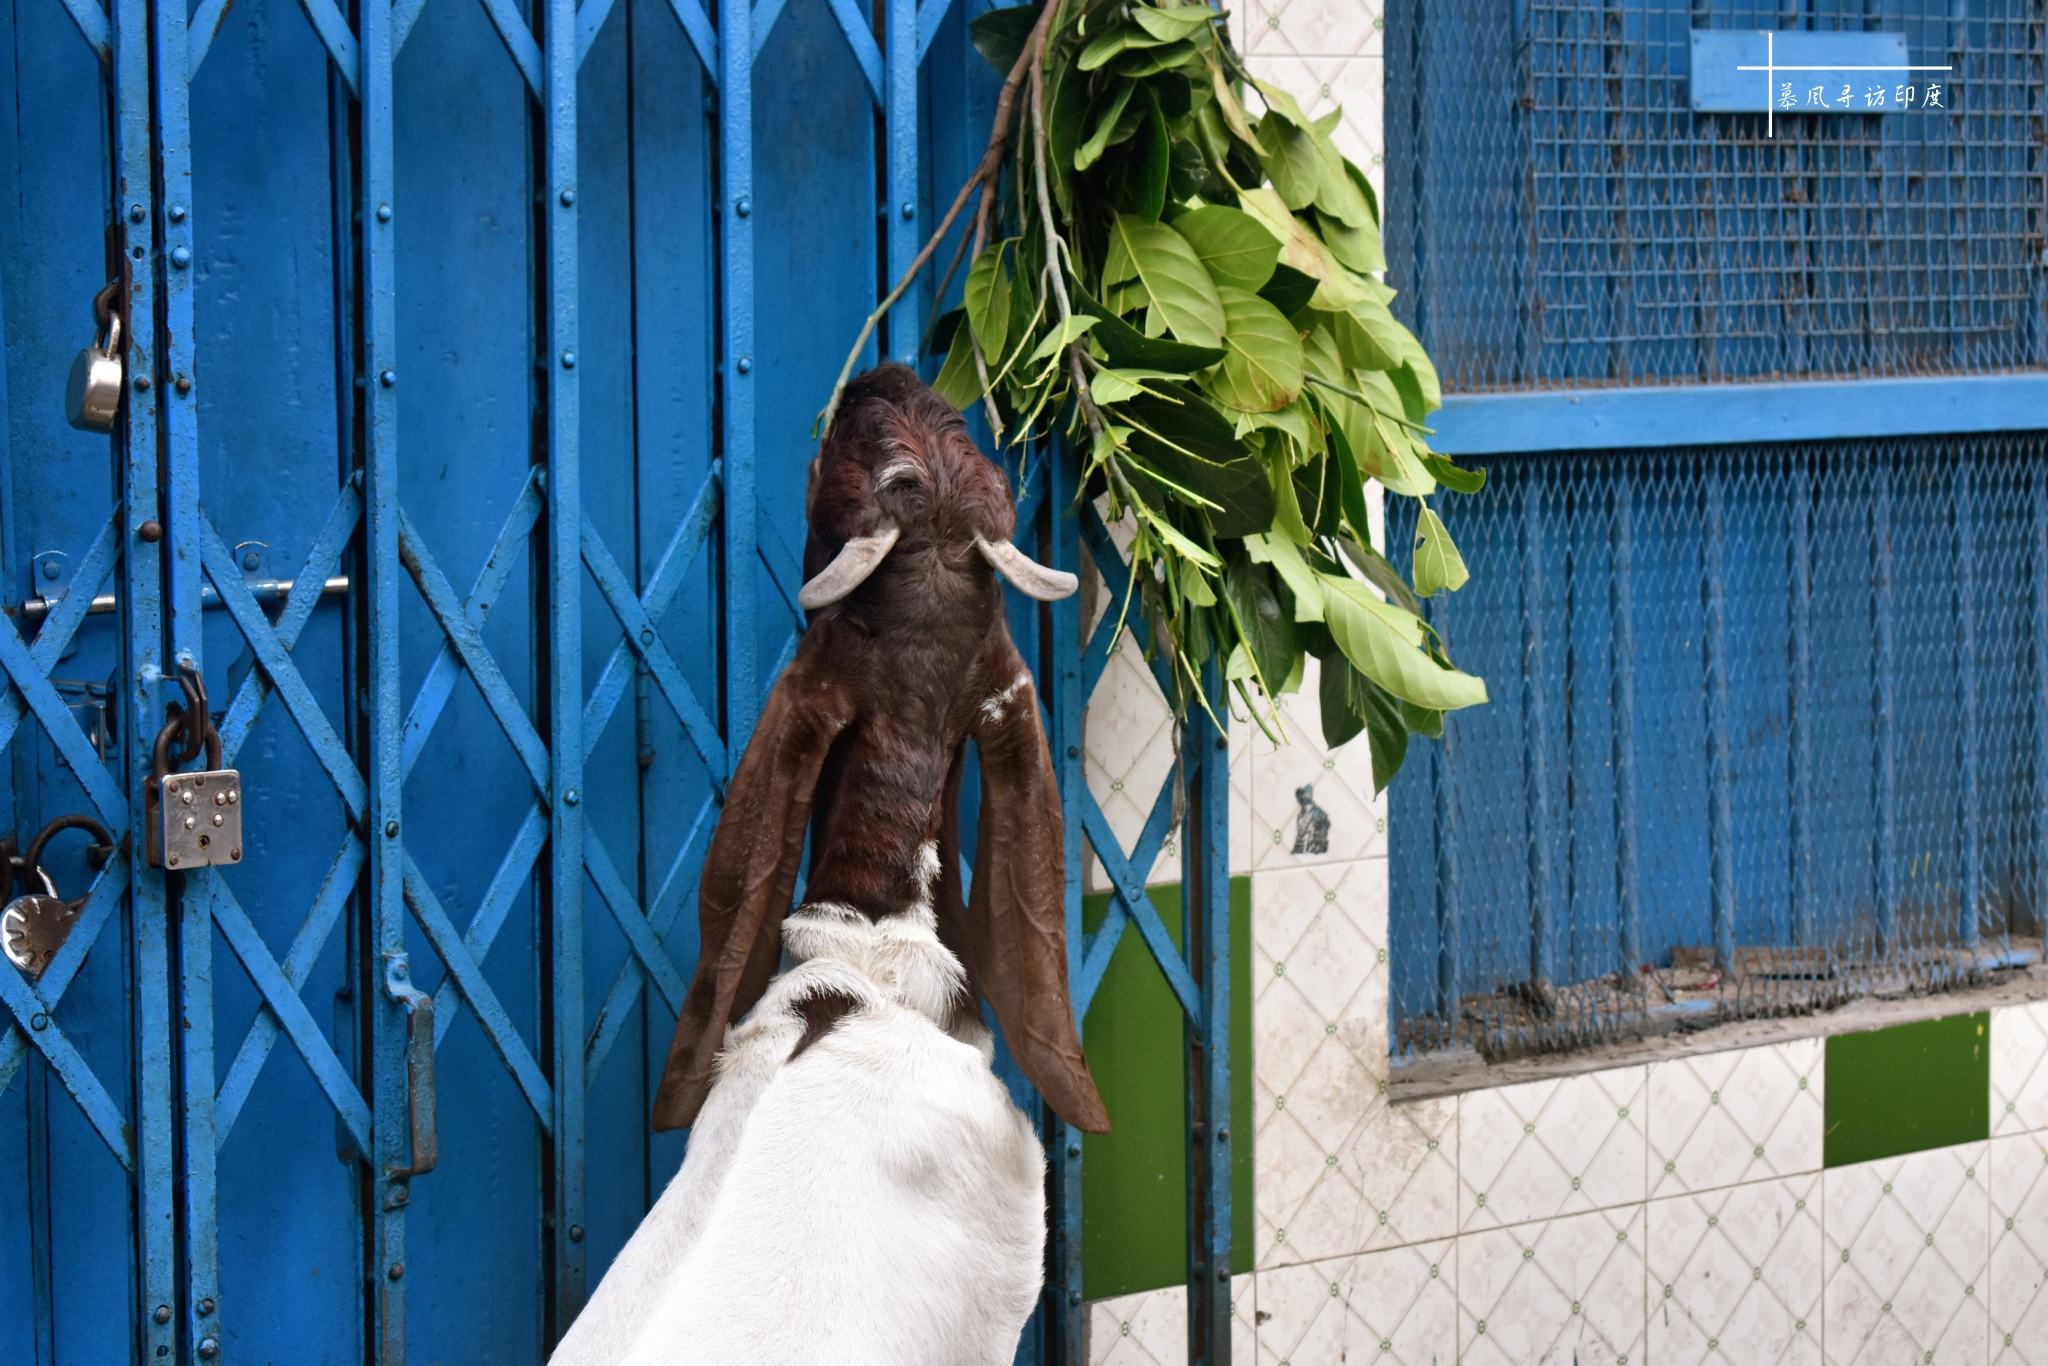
{"x":559,"y":423}
{"x":1536,"y":740}
{"x":1720,"y":774}
{"x":1067,"y":701}
{"x":1799,"y":699}
{"x":1621,"y":598}
{"x":1883,"y":668}
{"x":1969,"y":816}
{"x":1605,"y":419}
{"x":1205,"y":903}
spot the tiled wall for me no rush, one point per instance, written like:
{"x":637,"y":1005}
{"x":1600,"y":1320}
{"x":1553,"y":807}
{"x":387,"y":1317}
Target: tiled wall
{"x":1670,"y":1213}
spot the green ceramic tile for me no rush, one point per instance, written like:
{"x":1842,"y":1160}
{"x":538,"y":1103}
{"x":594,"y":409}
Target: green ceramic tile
{"x":1907,"y":1089}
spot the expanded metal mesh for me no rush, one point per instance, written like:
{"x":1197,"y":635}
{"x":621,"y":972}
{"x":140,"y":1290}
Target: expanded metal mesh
{"x":1558,"y":215}
{"x":1768,"y":729}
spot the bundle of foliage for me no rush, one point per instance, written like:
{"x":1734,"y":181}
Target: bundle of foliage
{"x":1187,"y":288}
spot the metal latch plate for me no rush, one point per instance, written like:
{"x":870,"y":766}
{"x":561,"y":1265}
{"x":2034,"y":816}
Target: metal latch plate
{"x":202,"y":818}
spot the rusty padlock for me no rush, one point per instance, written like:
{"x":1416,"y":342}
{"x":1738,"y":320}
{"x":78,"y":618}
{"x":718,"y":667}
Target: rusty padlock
{"x":34,"y":926}
{"x":92,"y":398}
{"x":193,"y":819}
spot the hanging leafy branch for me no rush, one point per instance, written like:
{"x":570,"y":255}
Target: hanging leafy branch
{"x":1188,"y":289}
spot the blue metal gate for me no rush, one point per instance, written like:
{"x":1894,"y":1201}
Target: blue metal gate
{"x":472,"y":355}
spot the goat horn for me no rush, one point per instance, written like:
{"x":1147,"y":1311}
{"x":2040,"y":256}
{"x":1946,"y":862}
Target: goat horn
{"x":1025,"y":574}
{"x":849,"y":568}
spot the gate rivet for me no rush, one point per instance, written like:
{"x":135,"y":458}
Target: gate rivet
{"x":571,"y":797}
{"x":206,"y":1306}
{"x":397,"y":1271}
{"x":137,"y":214}
{"x":182,"y":385}
{"x":142,"y":384}
{"x":744,"y":364}
{"x":568,"y":198}
{"x":743,"y":206}
{"x":1222,"y":1276}
{"x":181,"y":257}
{"x":208,"y":1348}
{"x":162,"y":1314}
{"x":1073,"y":1150}
{"x":909,"y":212}
{"x":387,"y":378}
{"x":647,"y":637}
{"x":1223,"y":1135}
{"x":39,"y":1021}
{"x":1073,"y":751}
{"x":391,"y":830}
{"x":568,"y":360}
{"x":151,"y":531}
{"x":176,"y":213}
{"x":383,"y":213}
{"x":1073,"y":1297}
{"x":575,"y":1233}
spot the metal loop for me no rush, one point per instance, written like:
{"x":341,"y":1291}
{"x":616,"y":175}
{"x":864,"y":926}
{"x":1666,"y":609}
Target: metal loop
{"x":102,"y":847}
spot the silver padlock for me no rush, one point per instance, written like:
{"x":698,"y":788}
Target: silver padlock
{"x":93,"y":396}
{"x":202,"y":818}
{"x":33,"y":928}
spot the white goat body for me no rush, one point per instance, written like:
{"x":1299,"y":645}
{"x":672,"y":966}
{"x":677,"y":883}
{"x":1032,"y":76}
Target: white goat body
{"x":876,"y":1199}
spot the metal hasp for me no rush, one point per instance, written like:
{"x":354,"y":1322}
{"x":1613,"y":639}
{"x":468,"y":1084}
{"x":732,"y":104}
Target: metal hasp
{"x":1745,"y":72}
{"x":419,"y":1069}
{"x":200,"y":819}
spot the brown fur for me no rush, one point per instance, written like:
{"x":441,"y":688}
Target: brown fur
{"x":863,"y":738}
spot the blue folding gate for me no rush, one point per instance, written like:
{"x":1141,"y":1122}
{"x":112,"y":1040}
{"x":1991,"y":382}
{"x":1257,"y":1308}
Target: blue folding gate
{"x":471,"y":355}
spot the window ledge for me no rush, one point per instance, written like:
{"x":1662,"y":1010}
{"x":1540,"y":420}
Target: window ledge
{"x":1451,"y":1071}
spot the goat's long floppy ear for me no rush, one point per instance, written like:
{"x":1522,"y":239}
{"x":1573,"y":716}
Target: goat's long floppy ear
{"x":749,"y":874}
{"x":1017,"y":911}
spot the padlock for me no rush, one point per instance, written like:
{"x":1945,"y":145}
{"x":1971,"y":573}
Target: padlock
{"x":93,"y":396}
{"x":193,"y":820}
{"x":34,"y":927}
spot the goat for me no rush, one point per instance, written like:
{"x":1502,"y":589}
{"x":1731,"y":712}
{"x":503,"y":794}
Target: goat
{"x":859,"y":1188}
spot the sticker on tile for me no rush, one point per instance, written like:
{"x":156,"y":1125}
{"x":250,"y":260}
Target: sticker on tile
{"x":1311,"y":804}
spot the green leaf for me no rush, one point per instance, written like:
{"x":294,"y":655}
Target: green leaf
{"x":1188,"y":169}
{"x":1108,"y":128}
{"x":958,"y":383}
{"x":1267,"y":631}
{"x":1138,"y":64}
{"x":1350,"y":485}
{"x":1173,"y":22}
{"x":940,"y":338}
{"x":1452,"y":477}
{"x":1336,"y":195}
{"x":1282,"y":103}
{"x":1262,"y":372}
{"x":1292,"y":161}
{"x":1289,"y":290}
{"x":1422,"y":721}
{"x":1287,"y":518}
{"x":1357,"y":347}
{"x":1116,"y":385}
{"x":1339,"y":288}
{"x":1114,"y":41}
{"x":1285,"y":557}
{"x":1386,"y":729}
{"x":1126,"y":347}
{"x":1234,"y":248}
{"x":1342,"y":720}
{"x":1172,"y":275}
{"x":1176,"y":430}
{"x":1439,"y":568}
{"x":1380,"y":573}
{"x":1148,"y":178}
{"x":1357,"y":248}
{"x":1424,"y":375}
{"x":1066,"y":332}
{"x":1194,"y":585}
{"x":1000,"y":34}
{"x":986,"y":296}
{"x":1385,"y":643}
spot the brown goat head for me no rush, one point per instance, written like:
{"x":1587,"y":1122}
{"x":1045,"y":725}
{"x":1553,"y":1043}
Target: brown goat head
{"x":907,"y":657}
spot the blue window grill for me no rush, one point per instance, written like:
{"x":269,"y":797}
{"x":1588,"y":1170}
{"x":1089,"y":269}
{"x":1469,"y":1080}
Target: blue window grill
{"x":1768,"y":730}
{"x":1559,"y":215}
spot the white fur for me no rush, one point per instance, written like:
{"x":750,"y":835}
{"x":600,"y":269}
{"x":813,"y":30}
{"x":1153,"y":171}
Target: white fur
{"x":878,"y":1200}
{"x":992,"y":708}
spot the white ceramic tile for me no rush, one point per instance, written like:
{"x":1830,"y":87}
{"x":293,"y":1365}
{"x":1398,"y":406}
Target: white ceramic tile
{"x":2019,"y":1068}
{"x":1392,"y":1182}
{"x":2018,"y":1293}
{"x":1128,"y":756}
{"x":1904,"y":1251}
{"x":1547,"y":1148}
{"x":1146,"y":1329}
{"x":1735,"y":1274}
{"x":1556,"y":1291}
{"x":1744,"y":1115}
{"x":1320,"y":84}
{"x":1284,"y":832}
{"x":1396,"y":1307}
{"x":1313,"y":28}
